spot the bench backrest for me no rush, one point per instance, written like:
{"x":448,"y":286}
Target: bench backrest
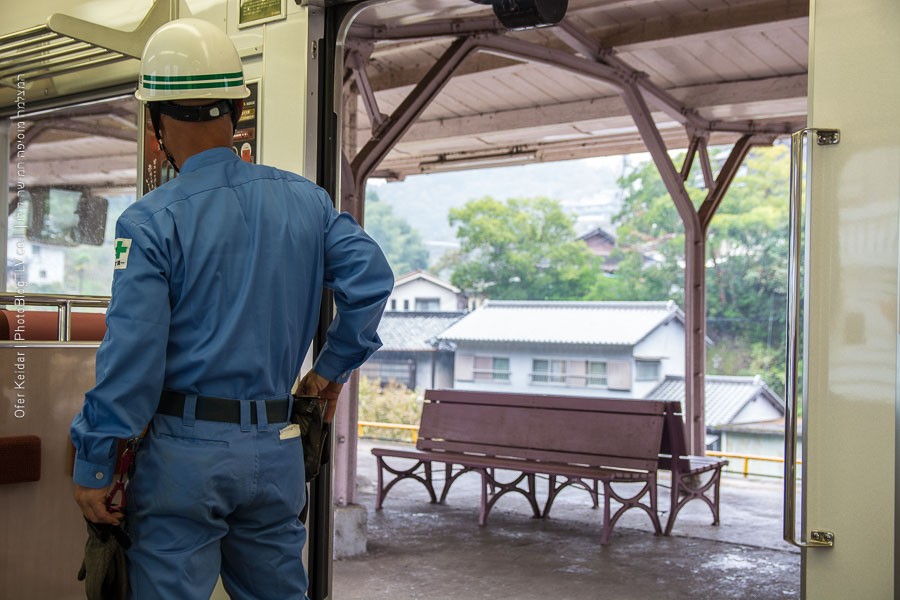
{"x":614,"y":433}
{"x":674,"y":447}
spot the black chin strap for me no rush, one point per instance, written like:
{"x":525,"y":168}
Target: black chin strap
{"x":191,"y":114}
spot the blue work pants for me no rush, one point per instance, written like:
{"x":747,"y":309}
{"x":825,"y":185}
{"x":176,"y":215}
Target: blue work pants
{"x":210,"y":498}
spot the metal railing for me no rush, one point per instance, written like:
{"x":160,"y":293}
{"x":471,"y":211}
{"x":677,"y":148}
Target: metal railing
{"x":746,"y":458}
{"x":62,"y":303}
{"x":413,"y":429}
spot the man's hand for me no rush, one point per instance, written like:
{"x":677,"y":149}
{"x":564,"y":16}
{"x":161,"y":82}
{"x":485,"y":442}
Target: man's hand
{"x":314,"y":384}
{"x":92,"y":502}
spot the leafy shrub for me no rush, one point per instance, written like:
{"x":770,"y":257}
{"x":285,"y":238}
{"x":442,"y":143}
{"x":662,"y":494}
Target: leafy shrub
{"x":388,"y":403}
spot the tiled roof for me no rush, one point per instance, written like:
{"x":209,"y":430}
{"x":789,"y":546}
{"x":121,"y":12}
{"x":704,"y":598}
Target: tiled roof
{"x":414,"y":331}
{"x":725,"y":396}
{"x":598,"y":323}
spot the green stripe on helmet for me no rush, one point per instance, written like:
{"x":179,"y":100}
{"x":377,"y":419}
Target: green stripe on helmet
{"x":193,"y":86}
{"x":174,"y":78}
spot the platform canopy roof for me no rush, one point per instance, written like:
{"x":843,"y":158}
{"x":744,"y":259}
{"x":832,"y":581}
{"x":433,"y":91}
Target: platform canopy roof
{"x":716,"y":67}
{"x":710,"y":69}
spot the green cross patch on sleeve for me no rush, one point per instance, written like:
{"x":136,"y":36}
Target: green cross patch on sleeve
{"x":122,"y":247}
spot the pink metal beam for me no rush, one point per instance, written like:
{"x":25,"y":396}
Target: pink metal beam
{"x":358,"y":67}
{"x":705,"y":166}
{"x":409,"y":110}
{"x":694,"y":276}
{"x":450,"y":27}
{"x":693,"y":145}
{"x":353,"y":185}
{"x":591,"y":49}
{"x":623,"y":74}
{"x":717,"y":191}
{"x":346,"y":419}
{"x":698,"y":147}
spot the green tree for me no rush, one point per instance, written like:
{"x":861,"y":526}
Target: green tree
{"x":521,"y":249}
{"x":401,"y":244}
{"x":649,"y":240}
{"x":746,"y":260}
{"x":746,"y":272}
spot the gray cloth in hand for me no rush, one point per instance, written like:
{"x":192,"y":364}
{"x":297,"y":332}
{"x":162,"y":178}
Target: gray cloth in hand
{"x":104,"y":569}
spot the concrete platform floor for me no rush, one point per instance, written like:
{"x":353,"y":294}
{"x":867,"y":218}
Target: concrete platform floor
{"x":421,"y":551}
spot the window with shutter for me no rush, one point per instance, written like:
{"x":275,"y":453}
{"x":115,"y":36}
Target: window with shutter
{"x":619,"y":375}
{"x":491,"y":368}
{"x":464,"y":366}
{"x":576,"y":373}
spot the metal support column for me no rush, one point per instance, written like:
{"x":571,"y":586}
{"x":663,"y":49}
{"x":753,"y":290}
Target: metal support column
{"x":634,"y":86}
{"x":696,"y":225}
{"x":386,"y":133}
{"x":694,"y":279}
{"x":345,"y":449}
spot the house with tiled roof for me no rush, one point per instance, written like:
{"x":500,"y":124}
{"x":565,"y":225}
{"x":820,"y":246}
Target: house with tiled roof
{"x":410,"y":353}
{"x":602,"y":349}
{"x":420,"y":291}
{"x":742,"y":414}
{"x":601,"y":243}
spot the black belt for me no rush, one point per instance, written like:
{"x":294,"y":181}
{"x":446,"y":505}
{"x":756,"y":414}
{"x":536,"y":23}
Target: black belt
{"x":223,"y":410}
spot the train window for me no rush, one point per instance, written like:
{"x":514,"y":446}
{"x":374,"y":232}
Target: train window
{"x":66,"y":217}
{"x":70,"y":179}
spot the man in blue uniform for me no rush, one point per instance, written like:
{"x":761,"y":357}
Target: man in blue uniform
{"x":215,"y":300}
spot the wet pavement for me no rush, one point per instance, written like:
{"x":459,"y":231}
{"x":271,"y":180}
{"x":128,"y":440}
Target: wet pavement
{"x":422,"y":551}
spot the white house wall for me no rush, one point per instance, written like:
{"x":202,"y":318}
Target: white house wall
{"x":404,"y":296}
{"x":520,"y":364}
{"x":667,"y":344}
{"x":757,"y":410}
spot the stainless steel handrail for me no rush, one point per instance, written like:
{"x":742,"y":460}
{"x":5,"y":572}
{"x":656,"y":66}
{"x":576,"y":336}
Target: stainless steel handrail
{"x":63,"y":303}
{"x":823,"y":137}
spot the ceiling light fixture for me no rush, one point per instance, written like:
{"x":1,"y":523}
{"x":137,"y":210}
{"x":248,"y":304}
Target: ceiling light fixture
{"x":477,"y":162}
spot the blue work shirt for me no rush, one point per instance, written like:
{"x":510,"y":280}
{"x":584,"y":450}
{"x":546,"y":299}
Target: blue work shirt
{"x":216,"y":292}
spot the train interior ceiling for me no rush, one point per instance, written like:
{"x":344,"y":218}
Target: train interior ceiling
{"x":450,"y":88}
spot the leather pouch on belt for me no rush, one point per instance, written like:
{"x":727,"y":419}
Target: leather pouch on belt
{"x":308,"y":413}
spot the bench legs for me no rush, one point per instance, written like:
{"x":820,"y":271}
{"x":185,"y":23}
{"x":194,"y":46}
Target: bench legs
{"x":491,"y":489}
{"x":450,"y":477}
{"x":554,"y":490}
{"x":401,"y":474}
{"x":609,"y":521}
{"x":489,"y":498}
{"x":685,"y":488}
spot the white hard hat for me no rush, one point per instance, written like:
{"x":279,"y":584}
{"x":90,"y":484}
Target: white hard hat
{"x":190,"y":58}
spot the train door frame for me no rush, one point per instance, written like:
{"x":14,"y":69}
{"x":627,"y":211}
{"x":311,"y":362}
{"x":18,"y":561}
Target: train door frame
{"x":319,"y":154}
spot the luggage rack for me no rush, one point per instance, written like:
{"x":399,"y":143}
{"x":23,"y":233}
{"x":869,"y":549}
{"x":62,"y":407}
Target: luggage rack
{"x":63,"y":304}
{"x":66,"y":44}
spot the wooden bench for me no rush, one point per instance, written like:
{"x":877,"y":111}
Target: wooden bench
{"x":584,"y":441}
